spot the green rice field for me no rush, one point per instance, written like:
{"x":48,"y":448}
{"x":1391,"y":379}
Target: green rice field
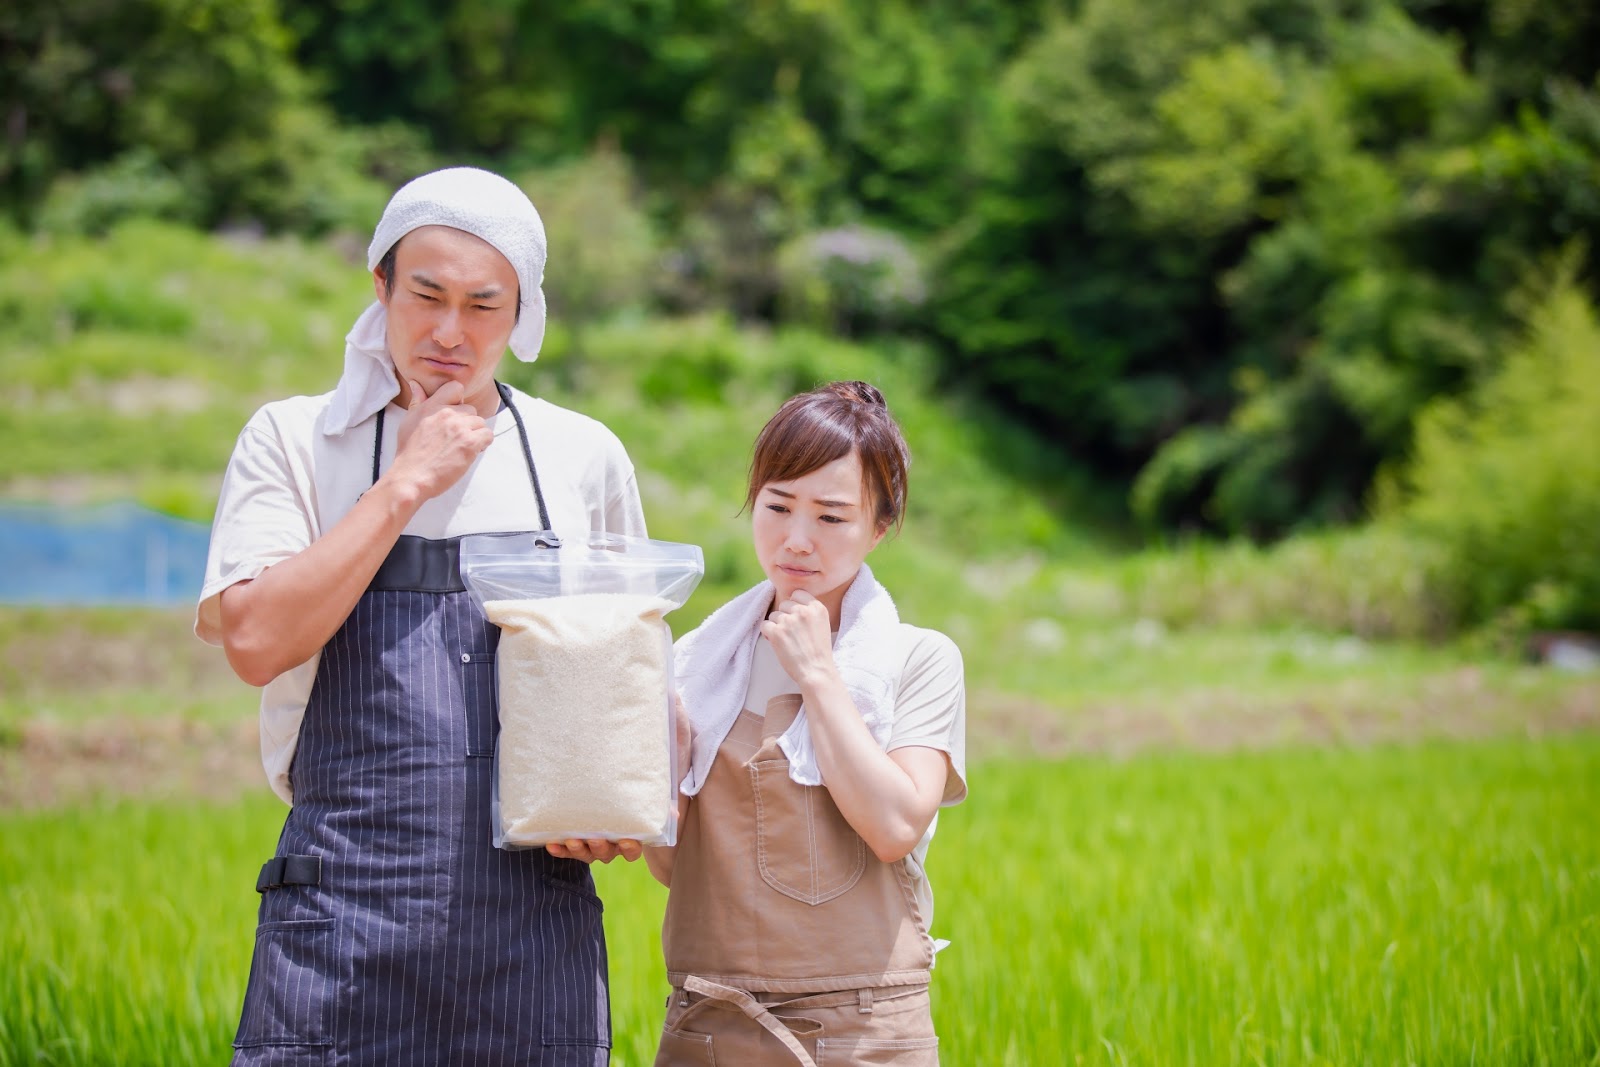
{"x":1427,"y":904}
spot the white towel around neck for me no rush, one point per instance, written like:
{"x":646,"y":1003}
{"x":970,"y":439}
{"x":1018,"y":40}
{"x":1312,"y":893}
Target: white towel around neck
{"x":711,"y":665}
{"x":466,"y":198}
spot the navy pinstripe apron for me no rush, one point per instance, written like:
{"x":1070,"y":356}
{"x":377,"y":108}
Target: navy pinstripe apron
{"x":392,"y":931}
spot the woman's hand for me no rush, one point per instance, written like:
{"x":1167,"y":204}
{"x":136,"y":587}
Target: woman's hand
{"x":801,"y":634}
{"x":682,"y":738}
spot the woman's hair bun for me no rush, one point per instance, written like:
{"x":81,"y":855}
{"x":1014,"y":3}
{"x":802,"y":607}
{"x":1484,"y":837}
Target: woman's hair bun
{"x":861,"y":392}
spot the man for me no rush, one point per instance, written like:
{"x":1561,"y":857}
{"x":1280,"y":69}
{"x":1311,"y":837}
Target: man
{"x":391,"y":930}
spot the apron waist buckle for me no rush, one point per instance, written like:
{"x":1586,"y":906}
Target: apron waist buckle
{"x":280,"y":871}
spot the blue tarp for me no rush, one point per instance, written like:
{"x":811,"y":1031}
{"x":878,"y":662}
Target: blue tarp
{"x":106,"y":554}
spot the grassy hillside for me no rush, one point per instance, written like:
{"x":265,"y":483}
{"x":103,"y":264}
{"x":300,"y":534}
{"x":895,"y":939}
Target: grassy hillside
{"x":138,"y":357}
{"x":133,"y":361}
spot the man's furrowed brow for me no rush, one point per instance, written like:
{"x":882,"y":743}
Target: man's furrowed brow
{"x":489,"y":293}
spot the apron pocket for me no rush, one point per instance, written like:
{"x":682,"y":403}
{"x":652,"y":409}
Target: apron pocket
{"x":572,"y":965}
{"x":805,"y":848}
{"x":682,"y":1049}
{"x":878,"y":1052}
{"x":478,"y":697}
{"x":292,"y":979}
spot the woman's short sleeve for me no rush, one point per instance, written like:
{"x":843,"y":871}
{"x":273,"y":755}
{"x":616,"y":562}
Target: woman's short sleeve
{"x":931,"y":704}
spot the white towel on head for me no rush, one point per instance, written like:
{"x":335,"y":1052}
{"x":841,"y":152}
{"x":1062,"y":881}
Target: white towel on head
{"x":711,"y":665}
{"x":466,"y":198}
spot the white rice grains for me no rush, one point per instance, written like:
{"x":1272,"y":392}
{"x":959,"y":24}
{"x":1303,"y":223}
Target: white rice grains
{"x":584,"y":720}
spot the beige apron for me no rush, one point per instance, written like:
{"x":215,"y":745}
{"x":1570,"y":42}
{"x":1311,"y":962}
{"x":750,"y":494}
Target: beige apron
{"x":786,"y":940}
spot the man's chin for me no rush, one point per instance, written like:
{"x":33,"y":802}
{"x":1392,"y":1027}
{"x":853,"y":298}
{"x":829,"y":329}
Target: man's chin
{"x":434,"y":376}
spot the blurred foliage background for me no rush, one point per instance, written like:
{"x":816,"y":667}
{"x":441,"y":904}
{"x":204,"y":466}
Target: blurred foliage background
{"x":1310,"y":277}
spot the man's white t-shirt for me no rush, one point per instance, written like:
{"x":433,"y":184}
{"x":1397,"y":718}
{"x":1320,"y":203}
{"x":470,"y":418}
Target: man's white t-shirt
{"x":930,"y":711}
{"x":288,"y":483}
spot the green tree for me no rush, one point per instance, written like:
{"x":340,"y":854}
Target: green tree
{"x":1506,"y":479}
{"x":603,"y":254}
{"x":152,"y":96}
{"x":1237,"y":249}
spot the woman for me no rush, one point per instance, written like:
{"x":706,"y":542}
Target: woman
{"x":826,"y":735}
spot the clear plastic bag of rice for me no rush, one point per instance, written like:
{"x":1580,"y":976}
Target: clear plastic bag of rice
{"x":584,"y":680}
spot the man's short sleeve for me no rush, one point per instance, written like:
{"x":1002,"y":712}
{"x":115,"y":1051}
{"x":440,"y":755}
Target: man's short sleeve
{"x":263,"y":517}
{"x":624,"y":512}
{"x":931,"y":705}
